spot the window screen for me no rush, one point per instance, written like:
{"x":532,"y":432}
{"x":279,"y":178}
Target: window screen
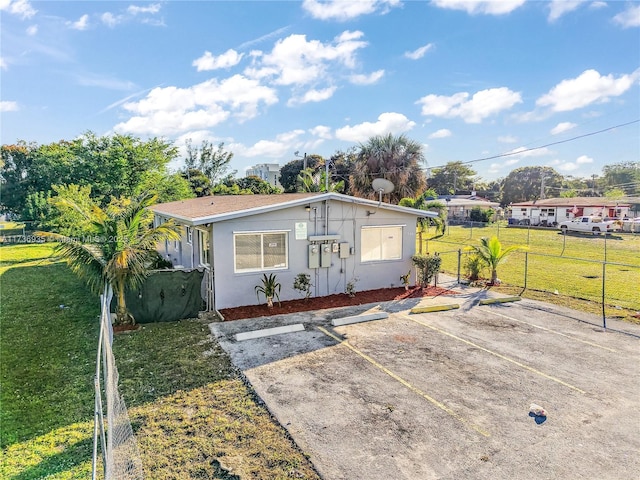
{"x":260,"y":251}
{"x":380,"y":243}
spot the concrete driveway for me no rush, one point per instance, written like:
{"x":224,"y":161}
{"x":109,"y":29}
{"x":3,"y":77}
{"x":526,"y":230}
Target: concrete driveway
{"x":446,"y":395}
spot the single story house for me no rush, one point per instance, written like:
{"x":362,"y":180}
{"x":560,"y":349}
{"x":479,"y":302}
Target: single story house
{"x":551,"y":211}
{"x":334,"y":238}
{"x":459,"y":206}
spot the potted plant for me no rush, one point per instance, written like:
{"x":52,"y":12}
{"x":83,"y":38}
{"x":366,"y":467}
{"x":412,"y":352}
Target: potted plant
{"x":270,"y":288}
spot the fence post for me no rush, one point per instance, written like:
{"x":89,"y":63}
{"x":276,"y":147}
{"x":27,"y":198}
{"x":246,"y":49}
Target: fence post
{"x":604,"y":315}
{"x":459,"y":261}
{"x":526,"y":268}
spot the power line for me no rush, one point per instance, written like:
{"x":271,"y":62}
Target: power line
{"x":508,"y":154}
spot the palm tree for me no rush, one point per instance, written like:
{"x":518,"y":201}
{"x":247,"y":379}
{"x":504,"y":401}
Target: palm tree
{"x":421,"y":203}
{"x":397,"y":159}
{"x":492,"y":254}
{"x":118,"y":248}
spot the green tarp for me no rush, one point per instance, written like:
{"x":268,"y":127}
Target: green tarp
{"x":166,"y":296}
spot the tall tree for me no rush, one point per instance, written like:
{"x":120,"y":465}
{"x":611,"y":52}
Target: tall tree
{"x":624,"y":175}
{"x":212,"y":161}
{"x":397,"y":159}
{"x":526,"y":183}
{"x":290,"y":171}
{"x":453,"y":177}
{"x":112,"y":165}
{"x":117,"y":248}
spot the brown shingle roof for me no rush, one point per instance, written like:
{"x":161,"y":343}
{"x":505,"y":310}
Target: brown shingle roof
{"x":199,"y":211}
{"x":194,"y":208}
{"x":570,"y":202}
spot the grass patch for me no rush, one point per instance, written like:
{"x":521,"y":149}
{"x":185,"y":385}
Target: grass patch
{"x":192,"y":414}
{"x":567,"y":264}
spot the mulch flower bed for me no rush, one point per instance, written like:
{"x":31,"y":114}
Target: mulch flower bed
{"x":332,"y":301}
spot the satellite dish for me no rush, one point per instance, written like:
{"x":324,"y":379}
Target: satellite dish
{"x":382,"y":185}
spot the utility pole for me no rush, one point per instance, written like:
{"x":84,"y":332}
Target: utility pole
{"x":542,"y":187}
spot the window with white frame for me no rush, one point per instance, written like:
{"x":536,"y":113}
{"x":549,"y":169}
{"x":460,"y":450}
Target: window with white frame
{"x":381,"y":243}
{"x":189,"y":235}
{"x":258,"y":251}
{"x":203,"y":244}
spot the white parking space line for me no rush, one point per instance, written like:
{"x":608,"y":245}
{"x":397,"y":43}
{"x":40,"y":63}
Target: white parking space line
{"x":496,"y":354}
{"x":551,"y":331}
{"x":411,"y":387}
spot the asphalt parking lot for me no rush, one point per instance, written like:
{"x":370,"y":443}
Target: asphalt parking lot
{"x":446,"y":395}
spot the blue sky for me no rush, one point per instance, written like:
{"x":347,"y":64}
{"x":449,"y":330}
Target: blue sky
{"x":467,"y":79}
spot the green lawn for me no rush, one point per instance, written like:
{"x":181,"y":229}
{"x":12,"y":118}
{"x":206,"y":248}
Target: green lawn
{"x":193,"y":416}
{"x":570,"y":265}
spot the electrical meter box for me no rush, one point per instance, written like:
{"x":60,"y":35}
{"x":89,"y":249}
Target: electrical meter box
{"x":344,"y":250}
{"x":325,"y":255}
{"x":314,"y":256}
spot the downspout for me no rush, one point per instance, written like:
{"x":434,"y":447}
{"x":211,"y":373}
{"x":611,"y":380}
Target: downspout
{"x":212,"y":292}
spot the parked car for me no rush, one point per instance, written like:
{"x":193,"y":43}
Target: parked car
{"x":595,"y":225}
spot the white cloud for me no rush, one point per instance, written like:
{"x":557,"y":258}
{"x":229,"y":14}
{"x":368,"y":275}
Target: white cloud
{"x":389,"y":122}
{"x":111,"y":20}
{"x":507,"y":139}
{"x":524,"y":152}
{"x":275,"y":33}
{"x":343,"y":10}
{"x":3,"y":64}
{"x":562,"y":127}
{"x":32,"y":30}
{"x":597,"y":4}
{"x":419,"y":52}
{"x":103,"y":81}
{"x":81,"y":24}
{"x":321,"y":131}
{"x":557,"y":8}
{"x":313,"y":95}
{"x":282,"y":145}
{"x":589,"y":87}
{"x":442,"y":133}
{"x":481,"y":105}
{"x":296,"y":61}
{"x":171,"y":110}
{"x":573,"y":166}
{"x":8,"y":106}
{"x":629,"y":18}
{"x":135,"y":13}
{"x":361,"y":79}
{"x":472,"y":7}
{"x":135,"y":10}
{"x":21,"y":8}
{"x":210,"y":62}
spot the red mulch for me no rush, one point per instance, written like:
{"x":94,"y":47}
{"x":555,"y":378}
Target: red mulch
{"x":332,"y":301}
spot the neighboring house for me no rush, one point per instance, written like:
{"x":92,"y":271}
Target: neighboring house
{"x":459,"y":206}
{"x":334,"y":238}
{"x":269,"y":172}
{"x":552,"y":211}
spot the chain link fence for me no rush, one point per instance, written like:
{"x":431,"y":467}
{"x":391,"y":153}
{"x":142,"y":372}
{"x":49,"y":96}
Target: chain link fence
{"x":120,"y":455}
{"x":612,"y":285}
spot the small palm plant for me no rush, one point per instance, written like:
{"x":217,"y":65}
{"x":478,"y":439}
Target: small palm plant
{"x":405,"y":279}
{"x":118,"y":248}
{"x":270,"y":288}
{"x":492,"y":253}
